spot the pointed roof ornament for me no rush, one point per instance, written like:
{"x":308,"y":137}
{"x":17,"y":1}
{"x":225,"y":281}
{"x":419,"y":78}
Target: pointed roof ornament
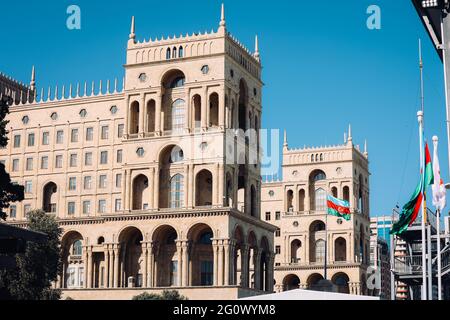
{"x":366,"y":153}
{"x":33,"y":79}
{"x":222,"y":24}
{"x":132,"y":30}
{"x":285,"y":143}
{"x":256,"y":47}
{"x":349,"y":133}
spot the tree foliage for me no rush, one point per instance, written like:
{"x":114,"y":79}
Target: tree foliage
{"x":39,"y":265}
{"x":9,"y":192}
{"x":165,"y":295}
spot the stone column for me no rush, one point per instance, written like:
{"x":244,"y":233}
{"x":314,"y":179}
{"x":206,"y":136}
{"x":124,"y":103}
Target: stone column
{"x":156,"y":189}
{"x":221,"y":266}
{"x":145,"y":275}
{"x":216,"y":261}
{"x":85,"y":266}
{"x":184,"y":265}
{"x":150,"y":263}
{"x":90,"y":270}
{"x":270,"y":272}
{"x":222,"y":109}
{"x":127,"y":125}
{"x":179,"y":262}
{"x":204,"y":108}
{"x":187,"y":123}
{"x":107,"y":270}
{"x":257,"y":268}
{"x":307,"y":199}
{"x":142,"y":111}
{"x":152,"y":180}
{"x":231,"y":262}
{"x":111,"y":266}
{"x":158,"y":102}
{"x":221,"y":193}
{"x":244,"y":266}
{"x":227,"y":251}
{"x":186,"y":179}
{"x":116,"y":265}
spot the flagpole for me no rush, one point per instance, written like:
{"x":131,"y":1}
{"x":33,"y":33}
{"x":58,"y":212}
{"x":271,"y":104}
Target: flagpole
{"x":326,"y":247}
{"x":424,"y":263}
{"x":430,"y":266}
{"x":438,"y":227}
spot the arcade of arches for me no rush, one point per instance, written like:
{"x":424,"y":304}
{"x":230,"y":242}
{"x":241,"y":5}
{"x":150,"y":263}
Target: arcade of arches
{"x":163,"y":258}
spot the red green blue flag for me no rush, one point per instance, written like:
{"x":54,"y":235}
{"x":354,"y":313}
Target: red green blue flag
{"x":411,"y":209}
{"x":337,"y":207}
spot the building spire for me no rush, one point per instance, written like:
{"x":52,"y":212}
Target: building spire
{"x":222,"y":24}
{"x":366,"y":153}
{"x":285,"y":143}
{"x":132,"y":30}
{"x":256,"y":47}
{"x":33,"y":79}
{"x":349,"y":133}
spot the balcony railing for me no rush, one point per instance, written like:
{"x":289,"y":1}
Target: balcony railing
{"x":408,"y":265}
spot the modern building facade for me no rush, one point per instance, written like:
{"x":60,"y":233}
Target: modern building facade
{"x":380,"y":258}
{"x":140,"y":177}
{"x":297,"y":206}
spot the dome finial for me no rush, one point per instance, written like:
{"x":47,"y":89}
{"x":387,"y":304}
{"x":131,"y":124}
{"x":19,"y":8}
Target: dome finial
{"x":256,"y":47}
{"x":33,"y":79}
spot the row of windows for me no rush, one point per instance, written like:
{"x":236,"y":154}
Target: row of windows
{"x":73,"y":160}
{"x":87,"y":183}
{"x":71,"y":207}
{"x":269,"y":215}
{"x":172,"y":54}
{"x":74,"y":136}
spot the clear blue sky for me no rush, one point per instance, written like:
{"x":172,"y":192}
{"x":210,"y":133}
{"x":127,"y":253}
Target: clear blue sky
{"x":323,"y":68}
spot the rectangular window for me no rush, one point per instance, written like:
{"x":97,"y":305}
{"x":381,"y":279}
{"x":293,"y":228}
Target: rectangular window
{"x":81,"y":276}
{"x":118,"y":205}
{"x":102,"y":277}
{"x":174,"y":273}
{"x":28,"y":187}
{"x":267,"y":216}
{"x":277,"y":233}
{"x":72,"y":183}
{"x":277,"y":249}
{"x":86,"y":207}
{"x":26,"y":208}
{"x":104,"y":134}
{"x":29,"y":164}
{"x":71,"y":208}
{"x":15,"y":165}
{"x":118,"y":180}
{"x":59,"y":161}
{"x":31,"y":139}
{"x":45,"y":138}
{"x":44,"y":162}
{"x":206,"y":273}
{"x":13,"y":211}
{"x":74,"y":135}
{"x":119,"y":156}
{"x":87,"y":184}
{"x":104,"y":157}
{"x":120,"y":129}
{"x":101,"y":206}
{"x":59,"y":136}
{"x":73,"y":160}
{"x":17,"y":141}
{"x":88,"y":159}
{"x":277,"y":215}
{"x":89,"y":134}
{"x":102,"y":181}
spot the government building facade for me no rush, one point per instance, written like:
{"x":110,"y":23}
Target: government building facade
{"x":143,"y":178}
{"x":297,"y":206}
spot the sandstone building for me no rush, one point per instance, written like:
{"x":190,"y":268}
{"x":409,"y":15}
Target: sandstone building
{"x":297,"y":206}
{"x":138,"y":175}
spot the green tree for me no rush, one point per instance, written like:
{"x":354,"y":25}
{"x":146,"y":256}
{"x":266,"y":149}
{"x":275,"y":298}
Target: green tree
{"x":9,"y":192}
{"x":39,"y":265}
{"x":165,"y":295}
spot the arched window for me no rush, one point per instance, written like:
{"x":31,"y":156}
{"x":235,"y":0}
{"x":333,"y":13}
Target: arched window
{"x":334,"y":192}
{"x":178,"y":110}
{"x":289,"y":199}
{"x":295,"y":251}
{"x":312,"y":158}
{"x":77,"y":249}
{"x":177,"y":82}
{"x":319,"y":176}
{"x":346,"y":193}
{"x":320,"y":250}
{"x":301,"y":200}
{"x":176,"y":195}
{"x":174,"y":52}
{"x":340,"y":249}
{"x":320,"y":200}
{"x":180,"y":52}
{"x":168,"y":54}
{"x":206,"y":238}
